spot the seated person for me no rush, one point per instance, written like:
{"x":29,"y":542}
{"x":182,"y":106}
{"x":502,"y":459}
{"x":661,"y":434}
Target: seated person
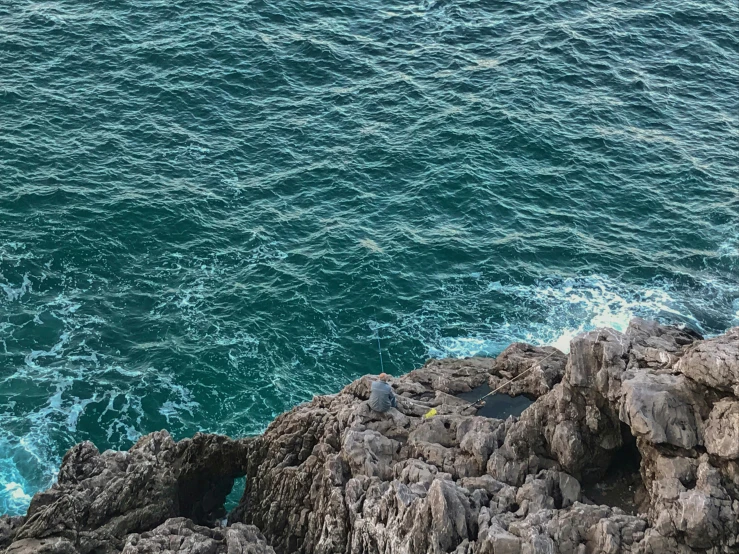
{"x":382,"y":397}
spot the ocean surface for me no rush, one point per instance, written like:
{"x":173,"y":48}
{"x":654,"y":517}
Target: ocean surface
{"x":212,"y":211}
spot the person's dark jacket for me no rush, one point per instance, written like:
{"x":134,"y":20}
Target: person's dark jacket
{"x":382,"y":397}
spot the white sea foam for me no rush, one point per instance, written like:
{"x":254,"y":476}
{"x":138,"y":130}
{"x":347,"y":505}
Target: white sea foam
{"x":729,"y":248}
{"x":13,"y":497}
{"x":16,"y":293}
{"x":67,"y":377}
{"x":16,"y":493}
{"x":557,"y":311}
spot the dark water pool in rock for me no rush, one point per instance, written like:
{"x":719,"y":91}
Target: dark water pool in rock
{"x":499,"y":405}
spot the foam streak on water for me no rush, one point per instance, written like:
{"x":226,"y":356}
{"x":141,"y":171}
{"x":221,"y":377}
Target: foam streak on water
{"x":210,"y":211}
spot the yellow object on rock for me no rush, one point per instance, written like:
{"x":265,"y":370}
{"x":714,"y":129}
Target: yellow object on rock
{"x":431,"y":413}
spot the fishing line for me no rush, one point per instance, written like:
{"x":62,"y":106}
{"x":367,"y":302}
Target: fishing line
{"x":537,"y":364}
{"x":379,"y":349}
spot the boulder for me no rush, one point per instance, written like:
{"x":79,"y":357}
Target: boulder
{"x":657,"y":346}
{"x":8,"y":528}
{"x":722,"y":429}
{"x":663,"y":409}
{"x":540,"y":368}
{"x":714,"y":362}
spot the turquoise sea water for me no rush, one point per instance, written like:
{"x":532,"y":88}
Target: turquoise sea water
{"x":210,"y":211}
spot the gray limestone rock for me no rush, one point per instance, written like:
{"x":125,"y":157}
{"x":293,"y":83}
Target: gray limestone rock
{"x":722,"y":429}
{"x":8,"y":528}
{"x":714,"y":362}
{"x":100,"y":498}
{"x":657,"y":346}
{"x":182,"y":536}
{"x":663,"y":409}
{"x":540,"y":368}
{"x":332,"y":476}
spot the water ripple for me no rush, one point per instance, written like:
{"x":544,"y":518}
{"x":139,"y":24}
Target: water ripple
{"x":209,"y":212}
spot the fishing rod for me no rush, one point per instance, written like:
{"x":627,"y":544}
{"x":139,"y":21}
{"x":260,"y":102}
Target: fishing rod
{"x":432,"y":412}
{"x":538,"y":364}
{"x":379,"y":349}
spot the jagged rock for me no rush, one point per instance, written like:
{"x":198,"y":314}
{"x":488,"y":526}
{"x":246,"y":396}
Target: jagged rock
{"x":369,"y":453}
{"x":100,"y":498}
{"x":714,"y":362}
{"x":494,"y":539}
{"x":581,"y":528}
{"x":657,"y":465}
{"x":575,"y":426}
{"x":8,"y":528}
{"x":703,"y":513}
{"x":182,"y":536}
{"x":565,"y":428}
{"x":453,"y":376}
{"x":543,"y":368}
{"x":664,"y":409}
{"x":616,"y":534}
{"x":51,"y":545}
{"x":657,"y":346}
{"x":332,"y":476}
{"x":450,"y":515}
{"x":722,"y":430}
{"x":597,"y":361}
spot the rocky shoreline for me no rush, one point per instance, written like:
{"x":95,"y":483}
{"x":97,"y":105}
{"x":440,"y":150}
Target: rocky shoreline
{"x":331,"y":476}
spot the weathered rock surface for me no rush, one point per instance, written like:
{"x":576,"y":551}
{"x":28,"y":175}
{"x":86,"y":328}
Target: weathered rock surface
{"x":332,"y":476}
{"x":542,"y":369}
{"x":99,"y":499}
{"x":182,"y":536}
{"x":714,"y":362}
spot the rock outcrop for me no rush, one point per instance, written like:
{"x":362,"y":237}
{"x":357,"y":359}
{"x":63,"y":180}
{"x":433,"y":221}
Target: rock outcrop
{"x":100,"y":499}
{"x":181,"y":535}
{"x":332,"y":476}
